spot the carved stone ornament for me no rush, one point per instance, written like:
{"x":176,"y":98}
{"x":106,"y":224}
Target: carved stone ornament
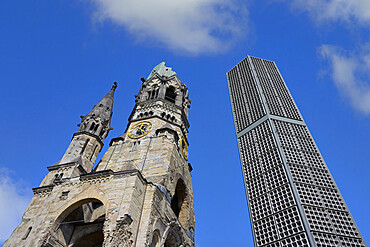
{"x":121,"y":235}
{"x":51,"y":241}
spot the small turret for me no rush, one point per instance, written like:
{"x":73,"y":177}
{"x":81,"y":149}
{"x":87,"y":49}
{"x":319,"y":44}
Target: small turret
{"x":93,"y":129}
{"x":97,"y":121}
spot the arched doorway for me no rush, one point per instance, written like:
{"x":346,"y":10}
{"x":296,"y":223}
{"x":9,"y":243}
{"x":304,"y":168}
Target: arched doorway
{"x":172,"y":240}
{"x":81,"y":225}
{"x":156,"y":239}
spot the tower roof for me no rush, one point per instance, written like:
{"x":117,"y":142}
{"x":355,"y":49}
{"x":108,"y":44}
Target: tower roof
{"x":104,"y":108}
{"x":162,"y":70}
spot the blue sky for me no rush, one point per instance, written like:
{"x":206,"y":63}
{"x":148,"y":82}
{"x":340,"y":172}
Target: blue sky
{"x":58,"y":58}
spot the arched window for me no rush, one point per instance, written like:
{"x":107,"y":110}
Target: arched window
{"x":27,"y":233}
{"x":92,"y":126}
{"x":85,"y":145}
{"x":170,"y":94}
{"x":92,"y":154}
{"x":179,"y":197}
{"x":102,"y":132}
{"x":156,"y":239}
{"x":153,"y":94}
{"x":172,"y":240}
{"x":81,"y":225}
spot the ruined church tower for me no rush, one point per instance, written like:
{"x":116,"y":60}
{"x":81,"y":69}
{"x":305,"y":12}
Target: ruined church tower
{"x":139,"y":194}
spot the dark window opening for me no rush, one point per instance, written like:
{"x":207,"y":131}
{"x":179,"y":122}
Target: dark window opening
{"x":96,"y":127}
{"x":92,"y":126}
{"x":156,"y":239}
{"x":102,"y":132}
{"x":85,"y":145}
{"x":172,"y":240}
{"x":179,"y":197}
{"x":27,"y":233}
{"x":153,"y":94}
{"x":82,"y":226}
{"x":170,"y":95}
{"x":92,"y":155}
{"x":65,"y":193}
{"x":58,"y":177}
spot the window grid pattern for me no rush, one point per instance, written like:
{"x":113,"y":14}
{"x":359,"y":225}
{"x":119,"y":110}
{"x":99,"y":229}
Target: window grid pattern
{"x":276,"y":94}
{"x":247,"y":104}
{"x":324,"y":208}
{"x":274,"y":213}
{"x":273,"y":210}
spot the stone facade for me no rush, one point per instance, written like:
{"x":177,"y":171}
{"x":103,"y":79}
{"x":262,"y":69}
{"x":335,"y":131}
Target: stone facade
{"x":139,"y":194}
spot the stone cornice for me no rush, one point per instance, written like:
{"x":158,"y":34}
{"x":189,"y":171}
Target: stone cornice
{"x":56,"y":167}
{"x":94,"y":175}
{"x":183,"y":115}
{"x":89,"y":134}
{"x":42,"y":189}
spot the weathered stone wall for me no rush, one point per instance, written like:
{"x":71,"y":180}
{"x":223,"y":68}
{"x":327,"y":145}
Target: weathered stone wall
{"x":121,"y":194}
{"x":142,"y":186}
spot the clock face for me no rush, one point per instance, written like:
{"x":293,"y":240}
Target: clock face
{"x":140,"y":129}
{"x":184,"y":148}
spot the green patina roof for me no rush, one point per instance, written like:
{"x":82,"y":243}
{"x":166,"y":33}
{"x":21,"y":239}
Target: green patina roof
{"x":162,"y":70}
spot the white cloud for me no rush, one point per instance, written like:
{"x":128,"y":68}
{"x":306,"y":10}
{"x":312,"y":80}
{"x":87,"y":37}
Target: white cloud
{"x":190,"y":26}
{"x":351,"y":74}
{"x":14,"y":200}
{"x":357,"y":11}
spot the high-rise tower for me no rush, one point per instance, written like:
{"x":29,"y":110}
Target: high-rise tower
{"x":139,"y":194}
{"x":292,"y":197}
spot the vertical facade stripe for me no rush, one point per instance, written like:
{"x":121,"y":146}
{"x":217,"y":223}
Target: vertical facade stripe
{"x":292,"y":198}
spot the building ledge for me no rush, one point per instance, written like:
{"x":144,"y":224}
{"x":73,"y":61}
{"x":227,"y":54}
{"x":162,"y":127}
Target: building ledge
{"x":58,"y":165}
{"x":42,"y":189}
{"x":99,"y":174}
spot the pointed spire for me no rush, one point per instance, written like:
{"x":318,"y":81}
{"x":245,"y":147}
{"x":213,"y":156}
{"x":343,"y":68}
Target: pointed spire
{"x":98,"y":119}
{"x":105,"y":106}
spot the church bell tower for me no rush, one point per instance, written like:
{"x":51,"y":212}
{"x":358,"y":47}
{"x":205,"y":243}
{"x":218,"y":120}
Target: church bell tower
{"x":139,"y":194}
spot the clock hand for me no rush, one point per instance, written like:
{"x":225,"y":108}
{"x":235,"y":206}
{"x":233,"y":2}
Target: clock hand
{"x":142,"y":127}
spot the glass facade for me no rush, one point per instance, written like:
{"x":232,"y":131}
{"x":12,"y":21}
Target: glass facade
{"x":292,"y":197}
